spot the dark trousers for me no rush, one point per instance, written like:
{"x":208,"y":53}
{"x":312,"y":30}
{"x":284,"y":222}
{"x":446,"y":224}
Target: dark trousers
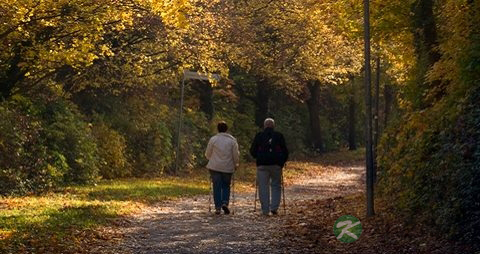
{"x":221,"y":188}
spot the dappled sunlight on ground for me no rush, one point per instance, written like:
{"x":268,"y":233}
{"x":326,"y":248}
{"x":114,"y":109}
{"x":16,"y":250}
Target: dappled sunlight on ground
{"x":330,"y":183}
{"x":186,"y":225}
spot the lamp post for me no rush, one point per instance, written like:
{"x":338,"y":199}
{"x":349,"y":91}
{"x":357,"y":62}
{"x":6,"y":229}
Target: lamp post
{"x":195,"y":76}
{"x":368,"y":104}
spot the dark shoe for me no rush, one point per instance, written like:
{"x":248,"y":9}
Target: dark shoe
{"x":217,"y":211}
{"x":225,"y":209}
{"x":265,"y":213}
{"x":274,"y":212}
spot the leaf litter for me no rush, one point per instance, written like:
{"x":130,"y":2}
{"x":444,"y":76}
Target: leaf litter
{"x":315,"y":198}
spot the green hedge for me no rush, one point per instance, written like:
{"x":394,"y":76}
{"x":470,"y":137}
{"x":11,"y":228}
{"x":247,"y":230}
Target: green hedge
{"x":66,"y":132}
{"x":431,"y":166}
{"x":48,"y":143}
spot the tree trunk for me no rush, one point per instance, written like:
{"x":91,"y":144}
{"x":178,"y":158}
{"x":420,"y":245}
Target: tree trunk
{"x":313,"y":104}
{"x":425,"y":31}
{"x":426,"y":44}
{"x":12,"y":76}
{"x":262,"y":103}
{"x":352,"y":142}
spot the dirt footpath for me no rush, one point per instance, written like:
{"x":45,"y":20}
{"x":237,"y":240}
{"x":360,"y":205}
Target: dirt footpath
{"x":186,"y":226}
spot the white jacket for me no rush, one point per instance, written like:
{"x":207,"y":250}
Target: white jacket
{"x":222,"y":153}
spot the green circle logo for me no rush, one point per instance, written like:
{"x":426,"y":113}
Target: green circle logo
{"x":347,"y":229}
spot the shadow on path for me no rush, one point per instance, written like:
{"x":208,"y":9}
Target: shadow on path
{"x":186,"y":226}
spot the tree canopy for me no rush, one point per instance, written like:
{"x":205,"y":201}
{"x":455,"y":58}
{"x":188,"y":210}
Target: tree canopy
{"x":89,"y":89}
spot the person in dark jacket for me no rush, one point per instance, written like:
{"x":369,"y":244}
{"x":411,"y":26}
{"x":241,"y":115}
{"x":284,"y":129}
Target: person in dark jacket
{"x":271,"y":154}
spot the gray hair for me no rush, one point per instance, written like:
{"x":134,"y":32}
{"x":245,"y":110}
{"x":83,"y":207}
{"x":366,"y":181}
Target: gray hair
{"x":269,"y":123}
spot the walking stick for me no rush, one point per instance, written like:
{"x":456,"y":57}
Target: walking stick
{"x":255,"y":202}
{"x":210,"y":196}
{"x":233,"y":193}
{"x":283,"y":192}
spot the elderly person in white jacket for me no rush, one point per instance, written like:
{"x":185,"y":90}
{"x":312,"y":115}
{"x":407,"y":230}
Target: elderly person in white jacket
{"x":223,"y":156}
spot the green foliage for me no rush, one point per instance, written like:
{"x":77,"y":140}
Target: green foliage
{"x":194,"y":139}
{"x":148,"y":123}
{"x":67,"y":133}
{"x":334,"y":112}
{"x":144,"y":127}
{"x":237,"y":112}
{"x":151,"y":149}
{"x":467,"y":187}
{"x":72,"y":45}
{"x":26,"y":163}
{"x":45,"y":145}
{"x":244,"y":129}
{"x":292,"y":121}
{"x":430,"y":158}
{"x":112,"y":152}
{"x":431,"y":165}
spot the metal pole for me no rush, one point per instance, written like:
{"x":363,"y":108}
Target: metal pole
{"x":180,"y":120}
{"x":283,"y":192}
{"x":233,"y":193}
{"x":210,"y":196}
{"x":256,"y":191}
{"x":368,"y":117}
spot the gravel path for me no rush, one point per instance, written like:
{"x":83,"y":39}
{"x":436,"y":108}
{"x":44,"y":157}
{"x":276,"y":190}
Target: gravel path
{"x":186,"y":226}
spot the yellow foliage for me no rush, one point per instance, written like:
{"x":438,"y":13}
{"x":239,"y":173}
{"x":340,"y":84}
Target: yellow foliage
{"x":454,"y":29}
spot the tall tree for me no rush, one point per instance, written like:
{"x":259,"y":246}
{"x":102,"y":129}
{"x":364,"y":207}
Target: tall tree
{"x":313,"y":104}
{"x":426,"y":47}
{"x":262,"y":102}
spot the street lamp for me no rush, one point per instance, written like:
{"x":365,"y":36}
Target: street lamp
{"x":194,"y":76}
{"x":368,"y":113}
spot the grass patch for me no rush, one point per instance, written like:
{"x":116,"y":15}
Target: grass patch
{"x":64,"y":221}
{"x":57,"y":222}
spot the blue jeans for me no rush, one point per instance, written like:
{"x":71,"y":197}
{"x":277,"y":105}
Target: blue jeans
{"x":269,"y":178}
{"x":221,"y":188}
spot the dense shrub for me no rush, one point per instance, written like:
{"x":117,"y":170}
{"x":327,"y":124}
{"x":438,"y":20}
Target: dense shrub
{"x":146,"y":126}
{"x":112,"y":152}
{"x":431,"y":159}
{"x":44,"y":143}
{"x":244,"y":129}
{"x":432,"y":166}
{"x":151,"y":150}
{"x":26,"y":163}
{"x":196,"y":132}
{"x":66,"y":132}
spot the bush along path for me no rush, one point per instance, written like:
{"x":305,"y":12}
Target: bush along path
{"x":186,"y":226}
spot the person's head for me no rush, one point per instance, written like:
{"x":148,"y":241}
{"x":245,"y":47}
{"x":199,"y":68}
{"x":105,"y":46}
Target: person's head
{"x":222,"y":126}
{"x":269,"y":123}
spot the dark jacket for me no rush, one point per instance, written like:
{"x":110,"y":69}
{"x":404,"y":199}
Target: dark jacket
{"x":274,"y":152}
